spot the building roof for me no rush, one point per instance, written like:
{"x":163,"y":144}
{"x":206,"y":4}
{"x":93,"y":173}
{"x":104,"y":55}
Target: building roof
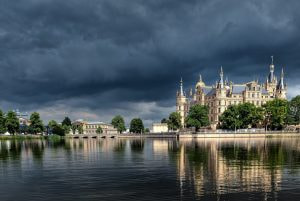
{"x":211,"y":92}
{"x":90,"y":122}
{"x":238,"y":89}
{"x":264,"y":91}
{"x":206,"y":90}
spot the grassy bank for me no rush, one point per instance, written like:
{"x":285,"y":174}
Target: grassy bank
{"x":29,"y":137}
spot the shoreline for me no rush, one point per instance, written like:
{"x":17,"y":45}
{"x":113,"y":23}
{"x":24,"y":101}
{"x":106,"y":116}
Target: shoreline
{"x":230,"y":135}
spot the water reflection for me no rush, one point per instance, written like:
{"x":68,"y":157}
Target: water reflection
{"x":202,"y":168}
{"x":226,"y":166}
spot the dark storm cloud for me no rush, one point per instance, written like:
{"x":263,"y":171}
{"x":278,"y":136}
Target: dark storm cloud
{"x":110,"y":55}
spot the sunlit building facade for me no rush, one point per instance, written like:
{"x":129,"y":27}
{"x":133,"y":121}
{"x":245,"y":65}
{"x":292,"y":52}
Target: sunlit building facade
{"x":225,"y":93}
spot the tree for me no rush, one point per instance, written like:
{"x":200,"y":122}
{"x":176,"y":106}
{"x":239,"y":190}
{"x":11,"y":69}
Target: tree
{"x":66,"y":129}
{"x":24,"y":128}
{"x":119,"y":123}
{"x":147,"y":130}
{"x":74,"y":128}
{"x":174,"y":122}
{"x":197,"y":117}
{"x":230,"y":118}
{"x":294,"y":111}
{"x":276,"y":112}
{"x":136,"y":125}
{"x":250,"y":115}
{"x":242,"y":116}
{"x":164,"y":121}
{"x":99,"y":130}
{"x":2,"y":123}
{"x":36,"y":124}
{"x":58,"y":130}
{"x":52,"y":124}
{"x":66,"y":121}
{"x":80,"y":129}
{"x":12,"y":123}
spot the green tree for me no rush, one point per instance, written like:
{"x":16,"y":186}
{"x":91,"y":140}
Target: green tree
{"x":80,"y":129}
{"x":294,"y":111}
{"x":2,"y":123}
{"x":276,"y":113}
{"x":52,"y":124}
{"x":74,"y":128}
{"x":174,"y":122}
{"x":242,"y":116}
{"x":119,"y":123}
{"x":164,"y":121}
{"x":58,"y":130}
{"x":230,"y":118}
{"x":250,"y":115}
{"x":66,"y":129}
{"x":12,"y":122}
{"x":147,"y":130}
{"x":136,"y":125}
{"x":99,"y":130}
{"x":197,"y":117}
{"x":66,"y":121}
{"x":36,"y":124}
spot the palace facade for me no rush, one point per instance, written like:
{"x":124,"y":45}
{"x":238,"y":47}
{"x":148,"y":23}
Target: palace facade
{"x":225,"y":93}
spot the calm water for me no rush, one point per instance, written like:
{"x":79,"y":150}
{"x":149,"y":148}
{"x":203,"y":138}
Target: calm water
{"x":127,"y":169}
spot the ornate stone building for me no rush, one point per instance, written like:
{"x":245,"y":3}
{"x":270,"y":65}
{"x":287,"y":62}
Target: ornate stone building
{"x":224,"y":93}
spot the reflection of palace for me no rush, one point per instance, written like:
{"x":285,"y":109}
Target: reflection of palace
{"x":236,"y":166}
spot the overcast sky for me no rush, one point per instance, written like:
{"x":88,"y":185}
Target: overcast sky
{"x":94,"y":59}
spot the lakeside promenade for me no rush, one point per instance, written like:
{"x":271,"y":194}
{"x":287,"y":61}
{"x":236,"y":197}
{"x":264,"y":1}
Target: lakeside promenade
{"x":171,"y":135}
{"x":179,"y":135}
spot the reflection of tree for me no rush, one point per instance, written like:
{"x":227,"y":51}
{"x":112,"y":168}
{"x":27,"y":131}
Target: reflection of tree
{"x":237,"y":165}
{"x":15,"y":150}
{"x":232,"y":153}
{"x":37,"y":149}
{"x":197,"y":155}
{"x":4,"y":154}
{"x":274,"y":156}
{"x":137,"y":145}
{"x":120,"y":146}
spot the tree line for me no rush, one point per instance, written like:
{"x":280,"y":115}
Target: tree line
{"x":9,"y":122}
{"x":276,"y":114}
{"x":136,"y":126}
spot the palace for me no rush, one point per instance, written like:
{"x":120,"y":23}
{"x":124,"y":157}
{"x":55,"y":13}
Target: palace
{"x":224,"y":93}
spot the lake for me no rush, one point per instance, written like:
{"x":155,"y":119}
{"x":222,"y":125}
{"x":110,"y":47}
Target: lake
{"x":150,"y":169}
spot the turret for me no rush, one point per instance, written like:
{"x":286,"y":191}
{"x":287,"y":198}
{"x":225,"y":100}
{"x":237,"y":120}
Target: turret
{"x":281,"y":87}
{"x":220,"y":84}
{"x":271,"y":77}
{"x":271,"y":82}
{"x":200,"y":83}
{"x":182,"y":103}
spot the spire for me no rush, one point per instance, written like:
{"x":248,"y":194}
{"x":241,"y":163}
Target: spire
{"x":181,"y":87}
{"x":200,"y":78}
{"x":272,"y":60}
{"x":280,"y":84}
{"x":271,"y":77}
{"x":221,"y":81}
